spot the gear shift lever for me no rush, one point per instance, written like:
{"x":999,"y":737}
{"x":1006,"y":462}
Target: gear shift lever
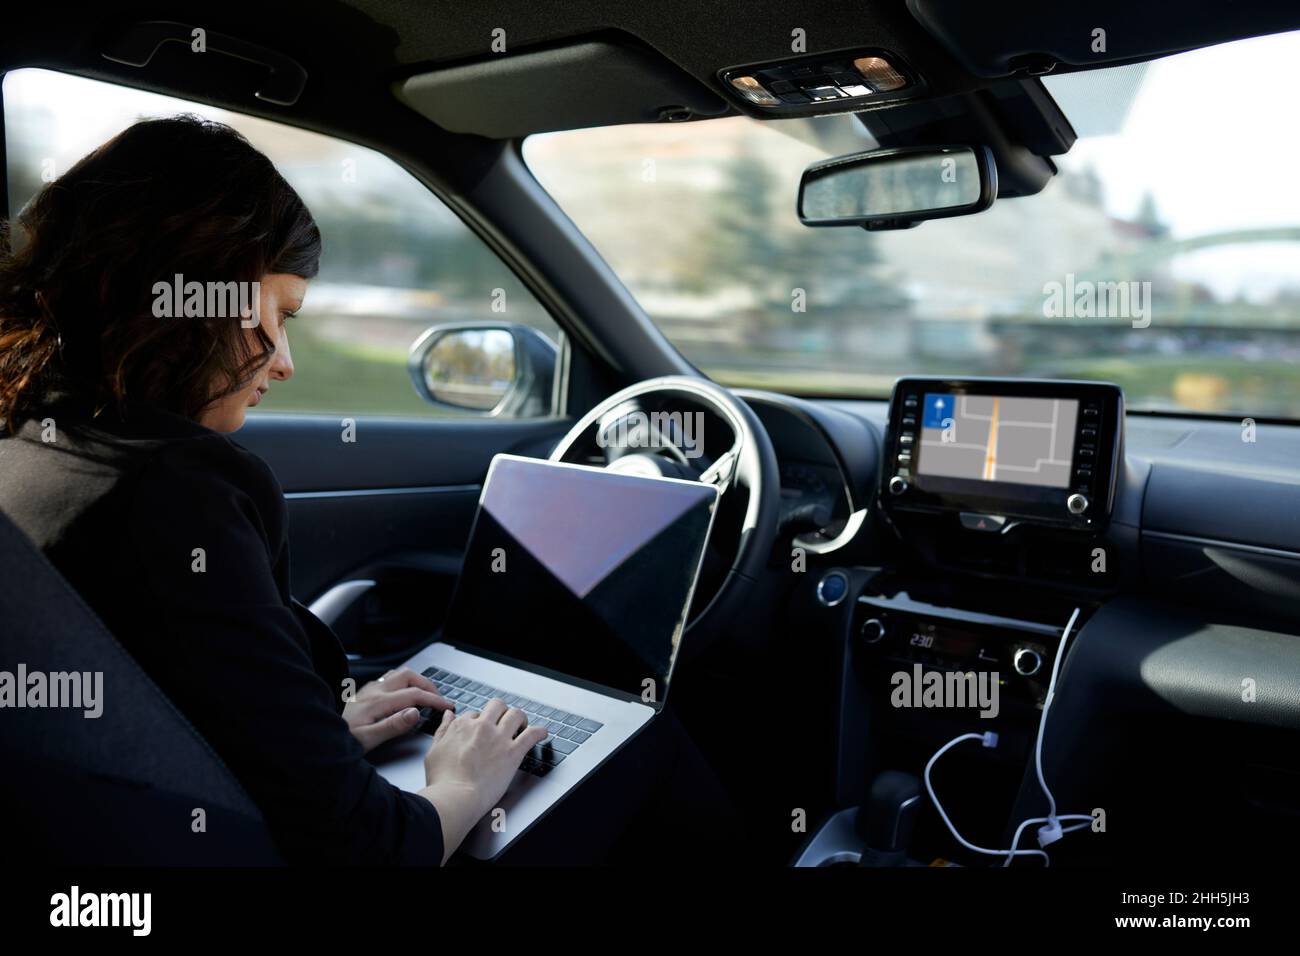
{"x":885,"y":823}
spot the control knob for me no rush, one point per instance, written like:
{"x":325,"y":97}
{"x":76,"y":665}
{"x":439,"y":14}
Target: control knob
{"x":873,"y":629}
{"x":1027,"y":662}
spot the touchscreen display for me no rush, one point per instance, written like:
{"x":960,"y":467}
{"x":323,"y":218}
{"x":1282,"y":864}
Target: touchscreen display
{"x":1022,"y":441}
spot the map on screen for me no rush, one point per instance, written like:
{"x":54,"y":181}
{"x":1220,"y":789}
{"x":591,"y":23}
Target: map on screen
{"x":1024,"y":441}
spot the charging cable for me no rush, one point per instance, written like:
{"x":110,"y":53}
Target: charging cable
{"x":990,"y":739}
{"x":1051,"y":829}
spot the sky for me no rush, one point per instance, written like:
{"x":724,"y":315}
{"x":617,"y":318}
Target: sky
{"x":1212,"y":135}
{"x":1191,"y":127}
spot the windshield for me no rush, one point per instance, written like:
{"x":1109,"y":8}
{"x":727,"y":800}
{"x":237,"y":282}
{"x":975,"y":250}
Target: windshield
{"x":1164,"y":256}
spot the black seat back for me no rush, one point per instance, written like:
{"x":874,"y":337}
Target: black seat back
{"x":120,"y":788}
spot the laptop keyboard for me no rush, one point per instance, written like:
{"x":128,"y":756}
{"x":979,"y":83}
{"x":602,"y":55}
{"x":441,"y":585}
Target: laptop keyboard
{"x":565,"y":732}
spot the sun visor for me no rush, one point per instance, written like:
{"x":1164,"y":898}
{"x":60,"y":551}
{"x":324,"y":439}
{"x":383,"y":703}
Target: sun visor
{"x":578,"y":85}
{"x":1031,"y":36}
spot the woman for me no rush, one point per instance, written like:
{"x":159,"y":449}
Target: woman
{"x":115,"y":392}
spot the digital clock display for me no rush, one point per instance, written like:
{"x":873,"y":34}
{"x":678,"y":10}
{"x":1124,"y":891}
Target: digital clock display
{"x":945,"y":641}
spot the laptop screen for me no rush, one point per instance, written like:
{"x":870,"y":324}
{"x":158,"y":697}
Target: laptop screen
{"x":583,"y":571}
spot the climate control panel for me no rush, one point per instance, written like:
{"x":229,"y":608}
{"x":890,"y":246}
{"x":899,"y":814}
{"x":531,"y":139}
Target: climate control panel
{"x":900,"y":633}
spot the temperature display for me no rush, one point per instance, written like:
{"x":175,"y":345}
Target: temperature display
{"x":945,"y":641}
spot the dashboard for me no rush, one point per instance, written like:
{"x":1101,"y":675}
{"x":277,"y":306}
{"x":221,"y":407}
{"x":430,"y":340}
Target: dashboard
{"x":958,"y":546}
{"x":1197,"y":509}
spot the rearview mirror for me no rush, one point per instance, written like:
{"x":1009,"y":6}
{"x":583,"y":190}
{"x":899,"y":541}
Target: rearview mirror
{"x":897,"y":188}
{"x":498,"y":369}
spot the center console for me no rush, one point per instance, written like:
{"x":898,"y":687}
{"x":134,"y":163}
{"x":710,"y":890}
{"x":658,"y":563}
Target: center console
{"x":915,"y":637}
{"x":1001,"y":494}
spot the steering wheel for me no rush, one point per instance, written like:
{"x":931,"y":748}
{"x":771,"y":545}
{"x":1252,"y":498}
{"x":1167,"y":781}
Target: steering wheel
{"x":747,"y":468}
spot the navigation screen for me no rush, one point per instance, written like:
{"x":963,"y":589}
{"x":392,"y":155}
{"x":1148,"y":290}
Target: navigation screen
{"x":1023,"y":441}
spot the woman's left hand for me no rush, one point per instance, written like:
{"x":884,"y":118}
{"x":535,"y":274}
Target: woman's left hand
{"x":389,"y":707}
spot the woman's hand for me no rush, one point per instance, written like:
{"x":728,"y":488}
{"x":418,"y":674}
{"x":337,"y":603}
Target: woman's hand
{"x":389,"y":707}
{"x":471,"y":762}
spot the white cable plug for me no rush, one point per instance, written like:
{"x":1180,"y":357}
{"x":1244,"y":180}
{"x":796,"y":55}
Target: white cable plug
{"x":1049,"y":832}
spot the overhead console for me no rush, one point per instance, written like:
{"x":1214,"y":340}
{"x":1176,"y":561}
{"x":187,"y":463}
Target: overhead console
{"x":998,"y":453}
{"x":860,"y":79}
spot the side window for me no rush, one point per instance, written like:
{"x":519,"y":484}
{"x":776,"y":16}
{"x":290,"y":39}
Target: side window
{"x":396,"y":260}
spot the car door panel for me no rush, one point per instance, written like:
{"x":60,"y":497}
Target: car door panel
{"x":393,"y":505}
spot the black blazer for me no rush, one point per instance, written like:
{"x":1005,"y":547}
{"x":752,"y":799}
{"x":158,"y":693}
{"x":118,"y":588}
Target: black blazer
{"x":176,"y":536}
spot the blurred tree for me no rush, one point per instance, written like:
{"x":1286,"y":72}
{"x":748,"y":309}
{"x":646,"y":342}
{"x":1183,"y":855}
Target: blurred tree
{"x":759,"y":243}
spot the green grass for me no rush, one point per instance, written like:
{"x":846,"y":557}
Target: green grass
{"x":1262,"y":389}
{"x":348,"y":379}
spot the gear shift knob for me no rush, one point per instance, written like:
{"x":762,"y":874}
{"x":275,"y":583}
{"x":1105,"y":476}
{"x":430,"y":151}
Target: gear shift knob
{"x":885,"y":823}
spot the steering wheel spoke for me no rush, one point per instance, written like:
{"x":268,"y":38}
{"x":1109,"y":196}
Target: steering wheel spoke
{"x":723,"y":469}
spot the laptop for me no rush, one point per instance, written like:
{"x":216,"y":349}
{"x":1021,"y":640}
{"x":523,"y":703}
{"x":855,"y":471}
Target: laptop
{"x":570,"y":606}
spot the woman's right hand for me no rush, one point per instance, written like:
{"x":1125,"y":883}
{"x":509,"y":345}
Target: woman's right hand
{"x":471,"y":762}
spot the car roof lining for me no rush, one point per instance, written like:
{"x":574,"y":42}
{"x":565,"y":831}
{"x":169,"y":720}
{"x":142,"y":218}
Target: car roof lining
{"x":1085,"y":36}
{"x":359,"y":51}
{"x":592,"y":81}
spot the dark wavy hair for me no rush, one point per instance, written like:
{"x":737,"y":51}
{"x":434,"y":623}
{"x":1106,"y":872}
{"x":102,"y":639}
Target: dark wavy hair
{"x":165,"y":196}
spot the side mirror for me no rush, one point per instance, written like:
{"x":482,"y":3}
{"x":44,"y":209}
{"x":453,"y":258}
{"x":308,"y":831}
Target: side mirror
{"x":897,"y":188}
{"x":497,"y":369}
